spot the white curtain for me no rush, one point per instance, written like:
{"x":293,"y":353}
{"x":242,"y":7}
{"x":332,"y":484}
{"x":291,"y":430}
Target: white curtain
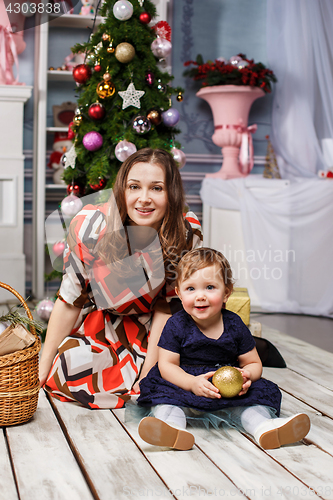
{"x":288,"y":238}
{"x":300,"y":52}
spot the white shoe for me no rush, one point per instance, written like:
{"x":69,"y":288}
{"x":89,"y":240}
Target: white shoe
{"x":276,"y":432}
{"x":157,"y":432}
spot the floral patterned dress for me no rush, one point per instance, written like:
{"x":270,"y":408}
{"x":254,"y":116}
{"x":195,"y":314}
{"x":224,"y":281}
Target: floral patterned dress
{"x":99,"y":362}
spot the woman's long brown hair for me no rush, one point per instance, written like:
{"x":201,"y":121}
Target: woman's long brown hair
{"x":172,"y":232}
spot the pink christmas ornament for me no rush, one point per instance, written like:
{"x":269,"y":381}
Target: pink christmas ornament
{"x":161,"y":48}
{"x":170,"y":117}
{"x":92,"y":141}
{"x":58,"y":248}
{"x":179,"y":156}
{"x":242,"y":64}
{"x":124,"y":149}
{"x":235,"y":60}
{"x":44,"y":309}
{"x":71,"y":205}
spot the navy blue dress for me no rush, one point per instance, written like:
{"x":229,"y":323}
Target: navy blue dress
{"x":200,"y":354}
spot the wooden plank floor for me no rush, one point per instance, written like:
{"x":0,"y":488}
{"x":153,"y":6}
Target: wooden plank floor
{"x":69,"y":452}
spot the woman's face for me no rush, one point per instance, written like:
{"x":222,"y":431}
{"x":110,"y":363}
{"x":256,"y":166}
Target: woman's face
{"x":145,"y":195}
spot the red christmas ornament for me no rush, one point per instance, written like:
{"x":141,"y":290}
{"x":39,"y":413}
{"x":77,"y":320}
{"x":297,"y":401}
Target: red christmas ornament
{"x":76,"y":189}
{"x":99,"y":186}
{"x":81,"y":73}
{"x":145,"y":18}
{"x":71,"y":133}
{"x":97,"y":68}
{"x":329,"y":174}
{"x":163,"y":30}
{"x":96,"y":111}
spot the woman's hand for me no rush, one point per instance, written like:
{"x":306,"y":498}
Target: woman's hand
{"x":246,"y":381}
{"x":136,"y":387}
{"x":61,"y":323}
{"x":202,"y":387}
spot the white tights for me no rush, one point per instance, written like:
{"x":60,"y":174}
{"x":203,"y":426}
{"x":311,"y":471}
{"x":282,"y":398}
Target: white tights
{"x":251,"y":416}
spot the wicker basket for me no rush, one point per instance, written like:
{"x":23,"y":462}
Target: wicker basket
{"x":19,"y":382}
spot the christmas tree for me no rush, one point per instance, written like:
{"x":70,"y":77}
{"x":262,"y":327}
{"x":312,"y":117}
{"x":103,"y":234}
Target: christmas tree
{"x":124,"y":101}
{"x":271,"y":170}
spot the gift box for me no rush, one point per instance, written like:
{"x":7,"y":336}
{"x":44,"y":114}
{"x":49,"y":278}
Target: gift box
{"x":239,"y":303}
{"x":15,"y":338}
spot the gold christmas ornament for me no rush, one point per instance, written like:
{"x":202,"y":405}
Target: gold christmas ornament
{"x":106,"y":37}
{"x":125,"y":52}
{"x":228,"y":380}
{"x":106,"y":77}
{"x":154,"y":116}
{"x":180,"y":97}
{"x":105,"y":89}
{"x":110,"y":49}
{"x":77,"y":119}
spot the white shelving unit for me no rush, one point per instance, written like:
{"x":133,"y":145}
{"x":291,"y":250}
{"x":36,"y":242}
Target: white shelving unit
{"x":43,"y":76}
{"x":43,"y":191}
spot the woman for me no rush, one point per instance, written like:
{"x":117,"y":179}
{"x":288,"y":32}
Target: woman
{"x":118,"y":285}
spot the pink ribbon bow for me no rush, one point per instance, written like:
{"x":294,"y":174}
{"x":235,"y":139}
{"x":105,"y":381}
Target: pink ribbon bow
{"x":8,"y":55}
{"x":246,"y":157}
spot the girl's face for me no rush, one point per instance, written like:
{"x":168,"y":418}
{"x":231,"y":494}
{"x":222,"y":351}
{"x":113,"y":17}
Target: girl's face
{"x":146,"y":195}
{"x":203,"y":294}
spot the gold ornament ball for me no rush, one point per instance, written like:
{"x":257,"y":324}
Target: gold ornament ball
{"x":179,"y":97}
{"x":77,"y":119}
{"x":154,"y":116}
{"x":125,"y":52}
{"x":106,"y":77}
{"x":106,"y":37}
{"x":228,"y":380}
{"x":110,"y":49}
{"x":105,"y":89}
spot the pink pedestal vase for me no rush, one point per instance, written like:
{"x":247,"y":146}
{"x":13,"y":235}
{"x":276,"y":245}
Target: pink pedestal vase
{"x":230,"y":105}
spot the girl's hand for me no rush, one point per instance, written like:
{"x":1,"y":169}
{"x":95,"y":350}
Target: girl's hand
{"x":202,"y":387}
{"x":246,"y":381}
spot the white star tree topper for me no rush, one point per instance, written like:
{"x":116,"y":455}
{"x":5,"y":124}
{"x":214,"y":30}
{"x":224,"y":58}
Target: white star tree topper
{"x":131,"y":97}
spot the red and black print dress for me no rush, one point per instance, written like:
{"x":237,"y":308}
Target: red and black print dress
{"x":99,"y":362}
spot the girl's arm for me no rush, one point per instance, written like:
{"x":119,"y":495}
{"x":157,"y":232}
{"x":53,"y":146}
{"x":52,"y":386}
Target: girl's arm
{"x":168,"y":363}
{"x":251,"y":368}
{"x":61,"y":323}
{"x":157,"y":325}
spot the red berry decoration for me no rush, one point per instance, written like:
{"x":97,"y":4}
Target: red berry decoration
{"x":96,"y":111}
{"x":76,"y":189}
{"x":100,"y":185}
{"x":81,"y":73}
{"x":145,"y":18}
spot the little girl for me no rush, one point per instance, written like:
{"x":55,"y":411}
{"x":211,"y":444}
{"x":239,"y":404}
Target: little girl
{"x":194,"y":343}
